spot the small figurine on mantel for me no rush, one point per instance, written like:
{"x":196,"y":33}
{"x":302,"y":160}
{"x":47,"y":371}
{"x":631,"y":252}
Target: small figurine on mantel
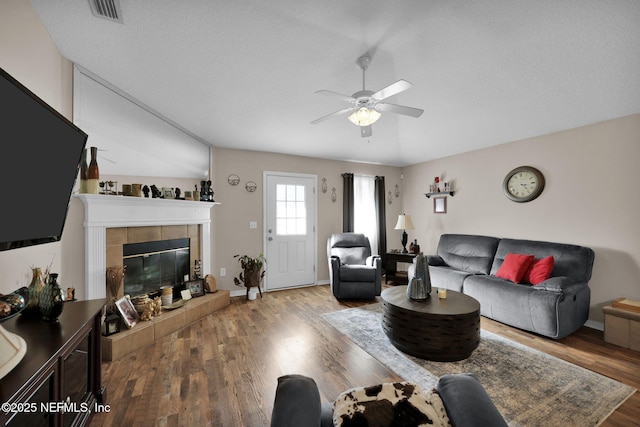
{"x":155,"y":192}
{"x":146,"y":190}
{"x":206,"y":193}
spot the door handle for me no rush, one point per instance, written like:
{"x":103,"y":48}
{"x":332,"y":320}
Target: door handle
{"x":270,"y":239}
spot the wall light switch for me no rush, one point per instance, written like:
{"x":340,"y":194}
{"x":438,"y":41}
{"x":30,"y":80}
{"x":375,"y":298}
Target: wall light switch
{"x":223,"y":271}
{"x":253,"y":225}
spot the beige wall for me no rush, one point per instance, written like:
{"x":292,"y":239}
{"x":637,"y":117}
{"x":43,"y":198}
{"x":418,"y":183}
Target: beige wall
{"x":590,"y":198}
{"x":29,"y":55}
{"x":231,"y":219}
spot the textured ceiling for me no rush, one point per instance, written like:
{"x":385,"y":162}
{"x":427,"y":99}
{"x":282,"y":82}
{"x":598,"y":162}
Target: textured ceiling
{"x":243,"y":74}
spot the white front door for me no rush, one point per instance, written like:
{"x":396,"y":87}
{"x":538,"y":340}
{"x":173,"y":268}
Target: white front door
{"x":290,"y":229}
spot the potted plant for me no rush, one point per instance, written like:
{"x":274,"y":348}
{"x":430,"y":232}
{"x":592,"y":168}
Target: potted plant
{"x":252,"y":272}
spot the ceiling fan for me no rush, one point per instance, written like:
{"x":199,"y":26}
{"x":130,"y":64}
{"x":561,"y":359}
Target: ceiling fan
{"x":367,"y":105}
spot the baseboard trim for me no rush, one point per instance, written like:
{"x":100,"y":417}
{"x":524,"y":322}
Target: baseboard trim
{"x":243,"y":292}
{"x":594,"y":325}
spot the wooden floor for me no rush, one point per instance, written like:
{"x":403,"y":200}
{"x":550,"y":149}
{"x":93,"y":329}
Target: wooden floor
{"x":222,"y":371}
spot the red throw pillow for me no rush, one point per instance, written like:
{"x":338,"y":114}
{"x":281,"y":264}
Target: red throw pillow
{"x":514,"y":266}
{"x":539,"y":271}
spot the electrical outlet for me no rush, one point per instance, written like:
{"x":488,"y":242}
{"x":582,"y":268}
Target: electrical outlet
{"x":223,"y":271}
{"x":253,"y":225}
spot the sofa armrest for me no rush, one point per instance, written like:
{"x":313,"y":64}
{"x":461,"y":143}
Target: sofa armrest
{"x":297,"y":402}
{"x":436,"y":261}
{"x":467,"y":403}
{"x":560,"y":285}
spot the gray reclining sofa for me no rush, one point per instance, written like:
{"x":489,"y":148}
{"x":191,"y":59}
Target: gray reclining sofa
{"x":554,"y":308}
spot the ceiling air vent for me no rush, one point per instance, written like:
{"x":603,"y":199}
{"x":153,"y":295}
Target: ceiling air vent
{"x":107,"y":9}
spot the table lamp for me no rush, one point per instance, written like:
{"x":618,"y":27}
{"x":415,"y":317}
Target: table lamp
{"x":404,"y":223}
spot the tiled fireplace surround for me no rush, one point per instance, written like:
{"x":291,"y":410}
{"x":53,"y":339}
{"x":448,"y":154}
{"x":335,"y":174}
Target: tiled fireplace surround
{"x":117,"y":237}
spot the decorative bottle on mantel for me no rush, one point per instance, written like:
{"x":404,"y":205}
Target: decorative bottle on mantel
{"x":84,"y":171}
{"x":93,"y":174}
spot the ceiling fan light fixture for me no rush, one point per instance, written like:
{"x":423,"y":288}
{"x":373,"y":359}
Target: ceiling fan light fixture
{"x":364,"y":116}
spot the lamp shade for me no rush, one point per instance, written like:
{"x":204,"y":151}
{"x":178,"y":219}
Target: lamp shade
{"x":404,"y":222}
{"x":364,"y":116}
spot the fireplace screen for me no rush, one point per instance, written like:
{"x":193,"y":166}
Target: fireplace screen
{"x":150,"y":265}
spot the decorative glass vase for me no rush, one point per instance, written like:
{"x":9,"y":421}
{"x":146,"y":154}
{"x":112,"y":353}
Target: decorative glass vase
{"x":35,"y":289}
{"x":51,"y":300}
{"x":422,"y":272}
{"x":93,"y":174}
{"x":416,"y":290}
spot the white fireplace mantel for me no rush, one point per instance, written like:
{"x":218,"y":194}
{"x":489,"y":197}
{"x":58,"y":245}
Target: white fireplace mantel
{"x":102,"y":212}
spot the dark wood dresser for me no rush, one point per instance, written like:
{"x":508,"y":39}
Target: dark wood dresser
{"x":59,"y":381}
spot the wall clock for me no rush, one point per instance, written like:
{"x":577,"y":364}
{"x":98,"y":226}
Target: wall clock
{"x":523,"y":184}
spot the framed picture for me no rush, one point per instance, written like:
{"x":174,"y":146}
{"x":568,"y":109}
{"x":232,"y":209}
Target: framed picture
{"x":440,"y":205}
{"x":128,"y":312}
{"x":196,"y":287}
{"x":168,"y":193}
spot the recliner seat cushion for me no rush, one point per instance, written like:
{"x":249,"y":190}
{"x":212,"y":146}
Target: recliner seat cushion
{"x":357,"y":273}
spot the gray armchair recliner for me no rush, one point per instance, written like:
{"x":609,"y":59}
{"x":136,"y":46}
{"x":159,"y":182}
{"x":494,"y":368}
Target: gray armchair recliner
{"x":353,"y":272}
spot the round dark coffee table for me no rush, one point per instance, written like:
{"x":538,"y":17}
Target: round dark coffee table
{"x":443,"y":330}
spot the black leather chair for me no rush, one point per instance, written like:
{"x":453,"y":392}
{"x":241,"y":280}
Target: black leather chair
{"x":353,"y":272}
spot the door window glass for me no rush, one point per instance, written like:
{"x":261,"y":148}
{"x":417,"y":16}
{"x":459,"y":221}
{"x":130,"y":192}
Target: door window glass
{"x":291,"y":213}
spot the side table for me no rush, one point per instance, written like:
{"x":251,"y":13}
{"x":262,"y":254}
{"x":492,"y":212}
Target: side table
{"x":391,"y":267}
{"x":622,"y":327}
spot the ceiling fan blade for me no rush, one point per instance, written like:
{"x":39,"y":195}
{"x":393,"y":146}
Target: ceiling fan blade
{"x":399,"y":109}
{"x":332,"y":93}
{"x":392,"y":89}
{"x":365,"y":131}
{"x":344,"y":111}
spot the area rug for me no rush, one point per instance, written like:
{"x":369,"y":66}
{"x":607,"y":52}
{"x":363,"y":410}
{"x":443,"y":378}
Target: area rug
{"x":530,"y":388}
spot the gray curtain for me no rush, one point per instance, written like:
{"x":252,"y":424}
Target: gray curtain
{"x":347,"y":203}
{"x":381,"y":217}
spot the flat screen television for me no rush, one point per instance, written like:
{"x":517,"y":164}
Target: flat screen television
{"x":40,"y":155}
